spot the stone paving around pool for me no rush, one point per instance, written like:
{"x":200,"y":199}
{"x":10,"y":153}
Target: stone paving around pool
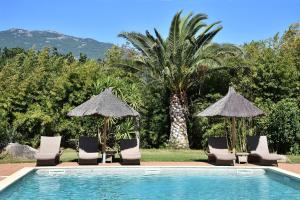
{"x":8,"y":169}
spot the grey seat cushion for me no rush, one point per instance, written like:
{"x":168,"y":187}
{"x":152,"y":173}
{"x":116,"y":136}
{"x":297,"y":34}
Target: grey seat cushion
{"x":258,"y":146}
{"x":83,"y":155}
{"x":130,"y":156}
{"x":88,"y":148}
{"x":130,"y":149}
{"x":228,"y":156}
{"x":267,"y":156}
{"x":45,"y":156}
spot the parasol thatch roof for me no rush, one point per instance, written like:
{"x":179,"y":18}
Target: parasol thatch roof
{"x":105,"y":104}
{"x":232,"y":105}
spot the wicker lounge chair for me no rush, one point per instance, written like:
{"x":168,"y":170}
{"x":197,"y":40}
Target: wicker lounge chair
{"x":88,"y":151}
{"x":259,"y":151}
{"x":218,"y":151}
{"x":130,"y":152}
{"x":49,"y":151}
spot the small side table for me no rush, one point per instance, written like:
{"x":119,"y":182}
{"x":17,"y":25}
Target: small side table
{"x":110,"y":155}
{"x":242,"y":157}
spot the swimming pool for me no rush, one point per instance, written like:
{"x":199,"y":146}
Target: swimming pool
{"x":153,"y":183}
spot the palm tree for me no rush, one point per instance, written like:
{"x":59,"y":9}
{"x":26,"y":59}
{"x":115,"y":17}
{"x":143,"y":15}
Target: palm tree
{"x":175,"y":63}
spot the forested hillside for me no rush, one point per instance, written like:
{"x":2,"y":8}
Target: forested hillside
{"x":20,"y":38}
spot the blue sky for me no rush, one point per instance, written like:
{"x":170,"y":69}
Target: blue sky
{"x":243,"y":20}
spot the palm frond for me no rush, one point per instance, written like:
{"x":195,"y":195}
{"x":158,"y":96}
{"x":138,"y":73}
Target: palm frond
{"x":173,"y":37}
{"x":187,"y":52}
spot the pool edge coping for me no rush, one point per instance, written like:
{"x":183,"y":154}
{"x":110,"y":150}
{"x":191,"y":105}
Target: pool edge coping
{"x":14,"y":177}
{"x":286,"y":172}
{"x":24,"y":171}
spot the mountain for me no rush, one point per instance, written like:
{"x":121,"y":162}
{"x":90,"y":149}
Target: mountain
{"x":64,"y":43}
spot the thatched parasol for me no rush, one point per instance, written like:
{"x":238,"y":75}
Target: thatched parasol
{"x":105,"y":104}
{"x":232,"y":105}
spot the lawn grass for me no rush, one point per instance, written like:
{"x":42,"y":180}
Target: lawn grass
{"x":148,"y":155}
{"x":294,"y":158}
{"x":164,"y":155}
{"x":69,"y":155}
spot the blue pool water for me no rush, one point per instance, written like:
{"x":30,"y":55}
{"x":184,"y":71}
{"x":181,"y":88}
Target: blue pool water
{"x":153,"y":184}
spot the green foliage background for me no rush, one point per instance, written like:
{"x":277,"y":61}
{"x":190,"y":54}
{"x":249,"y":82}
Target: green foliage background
{"x":38,"y":88}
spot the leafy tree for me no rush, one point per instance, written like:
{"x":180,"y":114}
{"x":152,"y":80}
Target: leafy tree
{"x":283,"y":127}
{"x":82,"y":58}
{"x":39,"y":88}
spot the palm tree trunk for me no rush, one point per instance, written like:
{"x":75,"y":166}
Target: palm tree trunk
{"x":178,"y":111}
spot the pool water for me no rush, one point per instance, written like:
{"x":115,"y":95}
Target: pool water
{"x":153,"y":184}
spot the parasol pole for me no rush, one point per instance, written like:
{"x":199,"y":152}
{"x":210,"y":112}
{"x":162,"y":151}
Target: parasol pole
{"x":137,"y":127}
{"x":105,"y":128}
{"x":233,"y":131}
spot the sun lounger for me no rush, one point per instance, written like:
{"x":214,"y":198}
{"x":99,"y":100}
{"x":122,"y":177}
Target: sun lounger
{"x":259,"y":151}
{"x":48,"y":153}
{"x":130,"y":152}
{"x":218,"y":151}
{"x":88,"y":151}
